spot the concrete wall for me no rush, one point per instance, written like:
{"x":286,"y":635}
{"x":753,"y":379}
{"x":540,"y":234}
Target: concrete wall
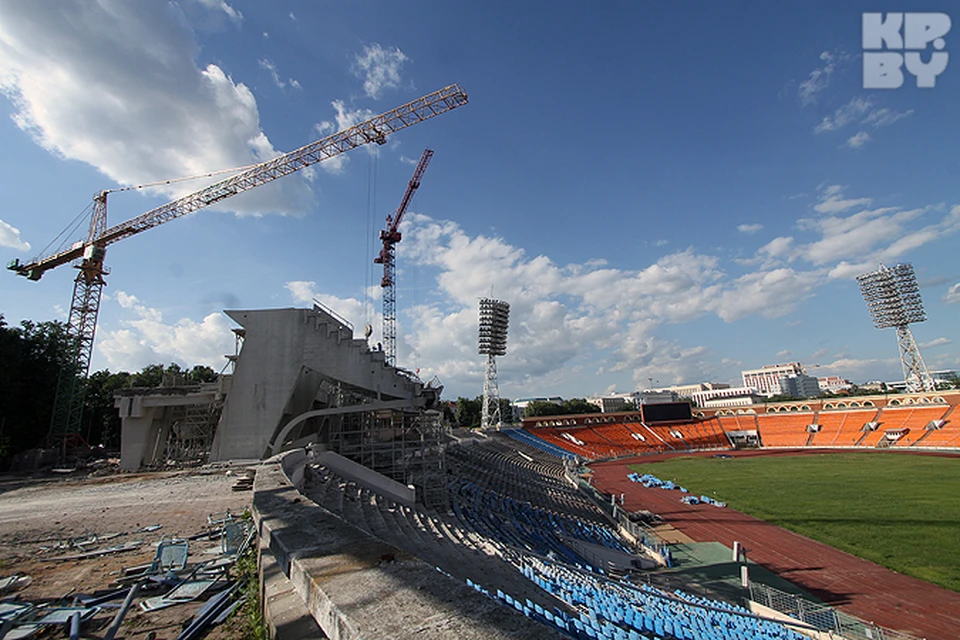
{"x":285,"y":352}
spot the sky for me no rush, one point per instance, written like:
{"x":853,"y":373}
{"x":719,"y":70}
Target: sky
{"x":664,"y":192}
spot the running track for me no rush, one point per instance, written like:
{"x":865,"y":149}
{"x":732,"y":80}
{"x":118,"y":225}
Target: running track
{"x":853,"y":585}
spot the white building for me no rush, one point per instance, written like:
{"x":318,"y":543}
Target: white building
{"x":833,"y":384}
{"x":766,"y":379}
{"x":729,"y":397}
{"x":613,"y":402}
{"x":687,"y":390}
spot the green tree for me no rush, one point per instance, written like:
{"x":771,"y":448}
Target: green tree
{"x":31,"y":357}
{"x":542,"y":408}
{"x":579,"y":405}
{"x":468,"y":412}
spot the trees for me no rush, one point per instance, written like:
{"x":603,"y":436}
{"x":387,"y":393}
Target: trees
{"x":568,"y":407}
{"x":31,"y":357}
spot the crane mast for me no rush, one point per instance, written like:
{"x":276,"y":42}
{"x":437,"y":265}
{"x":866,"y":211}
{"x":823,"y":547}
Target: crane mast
{"x":388,"y":258}
{"x":89,"y":283}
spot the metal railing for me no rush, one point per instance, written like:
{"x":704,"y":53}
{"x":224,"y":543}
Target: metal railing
{"x":821,"y":616}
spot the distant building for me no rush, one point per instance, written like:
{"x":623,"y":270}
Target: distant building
{"x":656,"y":397}
{"x":687,"y":390}
{"x":611,"y":403}
{"x":520,"y":404}
{"x":834,"y":384}
{"x":729,"y":397}
{"x":800,"y":386}
{"x":766,"y":379}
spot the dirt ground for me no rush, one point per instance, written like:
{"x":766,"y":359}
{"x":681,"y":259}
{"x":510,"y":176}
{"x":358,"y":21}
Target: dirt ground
{"x":40,"y":515}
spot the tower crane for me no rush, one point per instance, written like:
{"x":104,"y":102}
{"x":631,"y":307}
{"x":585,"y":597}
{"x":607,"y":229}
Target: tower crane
{"x":90,"y":253}
{"x":388,"y":258}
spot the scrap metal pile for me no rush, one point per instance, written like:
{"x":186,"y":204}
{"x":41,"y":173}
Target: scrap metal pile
{"x":170,"y":579}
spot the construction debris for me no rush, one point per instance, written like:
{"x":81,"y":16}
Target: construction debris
{"x":170,"y":573}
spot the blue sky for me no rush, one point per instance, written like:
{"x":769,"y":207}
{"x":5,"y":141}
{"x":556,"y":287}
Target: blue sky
{"x":663,"y":192}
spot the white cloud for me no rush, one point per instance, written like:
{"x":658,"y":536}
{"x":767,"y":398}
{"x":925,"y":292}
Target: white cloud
{"x":269,"y":66}
{"x":116,"y":85}
{"x":884,"y":117}
{"x":819,"y":78}
{"x":10,"y":237}
{"x":853,"y":111}
{"x":379,"y":69}
{"x":344,"y":119}
{"x":146,"y":339}
{"x":857,"y":140}
{"x":862,"y":110}
{"x":952,"y":296}
{"x":936,"y":342}
{"x":783,"y":354}
{"x":749,"y":228}
{"x":832,"y":201}
{"x":221,"y":5}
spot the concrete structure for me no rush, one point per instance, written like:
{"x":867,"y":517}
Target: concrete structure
{"x":800,"y":386}
{"x":168,"y":423}
{"x":298,"y":372}
{"x":766,"y":379}
{"x":731,"y":397}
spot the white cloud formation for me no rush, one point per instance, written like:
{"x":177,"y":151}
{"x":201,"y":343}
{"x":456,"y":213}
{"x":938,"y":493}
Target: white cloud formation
{"x":344,"y":119}
{"x":10,"y":237}
{"x":269,"y":66}
{"x":952,"y":296}
{"x":936,"y":342}
{"x":749,"y":228}
{"x":853,"y":111}
{"x":146,"y":339}
{"x":379,"y":68}
{"x":819,"y":78}
{"x":116,"y":85}
{"x":862,"y":110}
{"x":857,"y":140}
{"x":832,"y":200}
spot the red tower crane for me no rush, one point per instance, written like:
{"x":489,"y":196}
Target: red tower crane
{"x":88,"y":286}
{"x":388,"y":258}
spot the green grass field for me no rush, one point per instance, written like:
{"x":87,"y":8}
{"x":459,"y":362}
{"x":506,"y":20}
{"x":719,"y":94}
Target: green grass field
{"x":899,"y":511}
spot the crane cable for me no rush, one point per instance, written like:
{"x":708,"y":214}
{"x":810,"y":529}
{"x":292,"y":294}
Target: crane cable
{"x":75,"y":223}
{"x":67,"y":232}
{"x":369,"y":244}
{"x":160,"y":183}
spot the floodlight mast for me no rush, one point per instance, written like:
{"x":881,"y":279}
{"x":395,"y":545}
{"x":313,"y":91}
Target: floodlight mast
{"x":893,"y":299}
{"x":494,"y":322}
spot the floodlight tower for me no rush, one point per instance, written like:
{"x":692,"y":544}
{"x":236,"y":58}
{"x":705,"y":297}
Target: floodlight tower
{"x":494,"y":320}
{"x":893,"y":298}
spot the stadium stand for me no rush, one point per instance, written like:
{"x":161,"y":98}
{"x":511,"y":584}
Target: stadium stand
{"x":784,"y":430}
{"x":514,"y":512}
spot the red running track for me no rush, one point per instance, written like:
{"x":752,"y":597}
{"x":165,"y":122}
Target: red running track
{"x":851,"y":584}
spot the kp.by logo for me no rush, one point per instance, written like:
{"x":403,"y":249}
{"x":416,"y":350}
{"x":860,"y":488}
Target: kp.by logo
{"x":882,"y":69}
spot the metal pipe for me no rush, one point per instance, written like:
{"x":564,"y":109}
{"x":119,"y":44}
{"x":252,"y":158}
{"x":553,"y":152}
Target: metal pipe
{"x":75,"y":626}
{"x":118,"y":619}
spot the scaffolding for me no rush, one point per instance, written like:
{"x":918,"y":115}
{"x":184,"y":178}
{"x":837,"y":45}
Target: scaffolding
{"x":191,"y":431}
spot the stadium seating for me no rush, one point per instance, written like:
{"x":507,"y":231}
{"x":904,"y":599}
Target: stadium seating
{"x":915,"y":419}
{"x":784,"y":429}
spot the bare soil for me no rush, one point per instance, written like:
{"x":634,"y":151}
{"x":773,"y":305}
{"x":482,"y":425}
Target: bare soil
{"x":39,"y":516}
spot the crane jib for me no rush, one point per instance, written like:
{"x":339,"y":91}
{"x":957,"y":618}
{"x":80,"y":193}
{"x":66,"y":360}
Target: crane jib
{"x":373,"y":130}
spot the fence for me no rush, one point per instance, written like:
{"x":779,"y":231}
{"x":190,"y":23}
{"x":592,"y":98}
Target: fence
{"x":821,"y":616}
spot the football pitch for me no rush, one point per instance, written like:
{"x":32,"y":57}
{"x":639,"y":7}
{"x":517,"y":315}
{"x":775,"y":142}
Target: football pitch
{"x":899,"y":511}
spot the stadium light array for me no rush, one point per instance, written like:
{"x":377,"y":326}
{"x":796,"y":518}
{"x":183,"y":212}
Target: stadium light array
{"x":893,"y":299}
{"x":494,"y":321}
{"x":892,"y":296}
